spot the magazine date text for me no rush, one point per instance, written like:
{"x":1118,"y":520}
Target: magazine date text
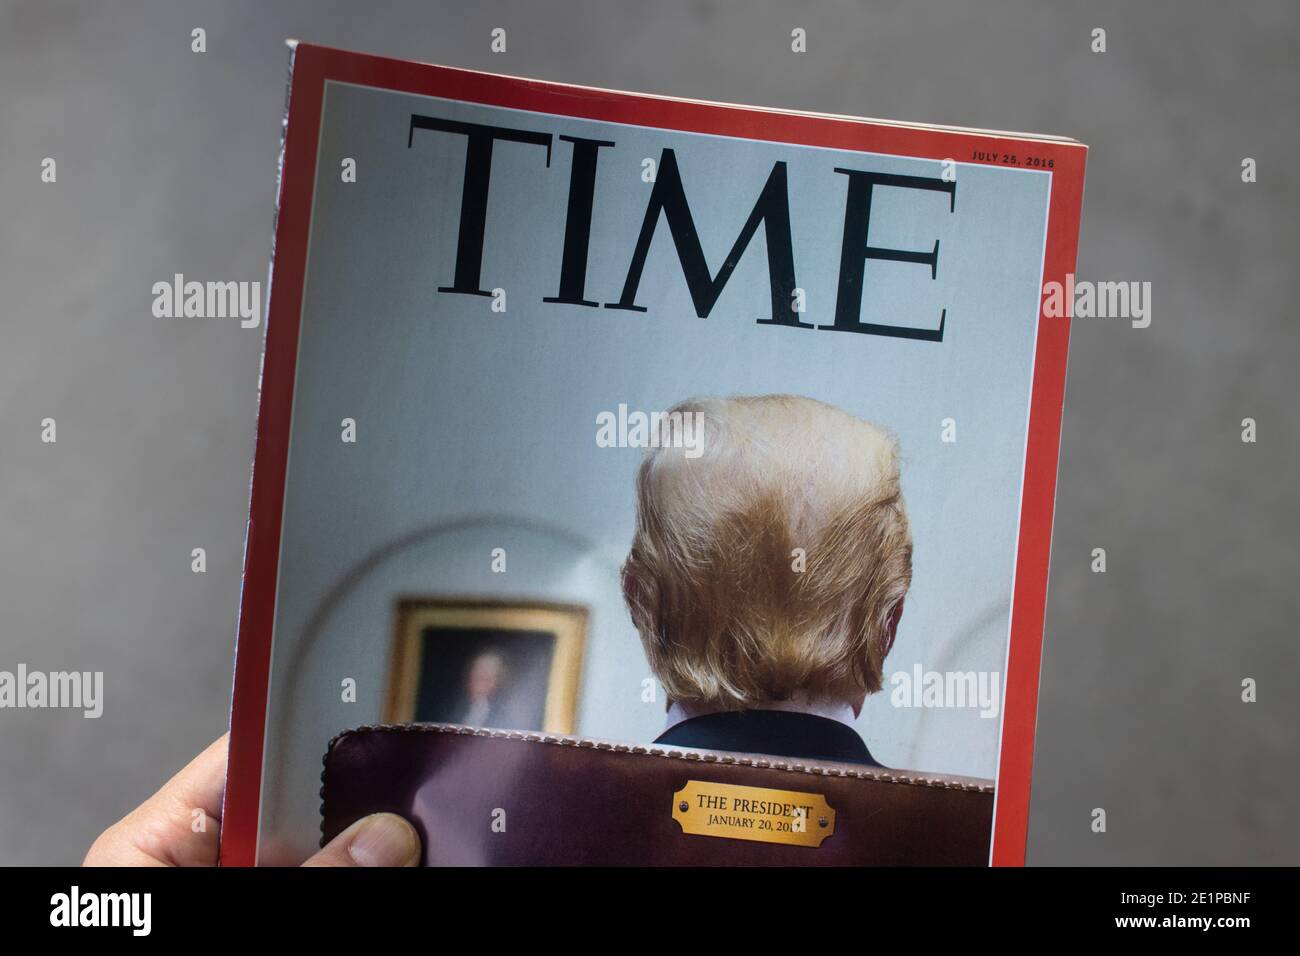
{"x":1011,"y":159}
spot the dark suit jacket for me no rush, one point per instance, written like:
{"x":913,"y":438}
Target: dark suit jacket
{"x":777,"y":733}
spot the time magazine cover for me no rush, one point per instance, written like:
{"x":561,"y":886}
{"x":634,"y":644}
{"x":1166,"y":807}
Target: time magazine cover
{"x":645,"y":480}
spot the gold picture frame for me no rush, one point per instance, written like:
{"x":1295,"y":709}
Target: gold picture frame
{"x":416,"y":617}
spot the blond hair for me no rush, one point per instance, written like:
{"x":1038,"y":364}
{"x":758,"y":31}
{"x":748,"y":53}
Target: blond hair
{"x":713,"y":582}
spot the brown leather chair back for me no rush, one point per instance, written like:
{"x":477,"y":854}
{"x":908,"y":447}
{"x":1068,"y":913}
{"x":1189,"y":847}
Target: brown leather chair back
{"x":484,"y":797}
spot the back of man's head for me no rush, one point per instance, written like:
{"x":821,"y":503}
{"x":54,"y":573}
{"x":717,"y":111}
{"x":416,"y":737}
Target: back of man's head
{"x":771,"y":562}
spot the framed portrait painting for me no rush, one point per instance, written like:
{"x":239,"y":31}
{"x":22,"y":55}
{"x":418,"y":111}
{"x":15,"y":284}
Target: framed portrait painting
{"x":498,"y":664}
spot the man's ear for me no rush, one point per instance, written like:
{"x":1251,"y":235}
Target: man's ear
{"x":891,"y":631}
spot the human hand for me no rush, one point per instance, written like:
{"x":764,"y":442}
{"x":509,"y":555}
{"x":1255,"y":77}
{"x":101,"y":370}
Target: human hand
{"x":161,"y":831}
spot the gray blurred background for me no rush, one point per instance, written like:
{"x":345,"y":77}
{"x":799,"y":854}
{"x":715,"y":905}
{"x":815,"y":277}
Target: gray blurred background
{"x":166,"y":163}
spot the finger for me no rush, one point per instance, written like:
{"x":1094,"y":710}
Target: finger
{"x":178,"y":826}
{"x":381,"y":839}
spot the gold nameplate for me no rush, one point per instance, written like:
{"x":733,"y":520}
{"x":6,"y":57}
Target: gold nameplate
{"x":753,"y":813}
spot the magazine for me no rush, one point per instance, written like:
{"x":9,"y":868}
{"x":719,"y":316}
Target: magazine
{"x":647,"y":480}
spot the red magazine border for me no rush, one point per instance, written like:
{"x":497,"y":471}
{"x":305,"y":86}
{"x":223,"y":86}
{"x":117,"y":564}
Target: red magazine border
{"x":314,"y":65}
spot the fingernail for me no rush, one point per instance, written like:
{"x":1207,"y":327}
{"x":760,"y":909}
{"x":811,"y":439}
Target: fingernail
{"x":384,"y":839}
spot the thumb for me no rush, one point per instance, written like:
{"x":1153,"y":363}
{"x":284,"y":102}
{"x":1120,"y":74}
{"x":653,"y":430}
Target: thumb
{"x":381,"y":839}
